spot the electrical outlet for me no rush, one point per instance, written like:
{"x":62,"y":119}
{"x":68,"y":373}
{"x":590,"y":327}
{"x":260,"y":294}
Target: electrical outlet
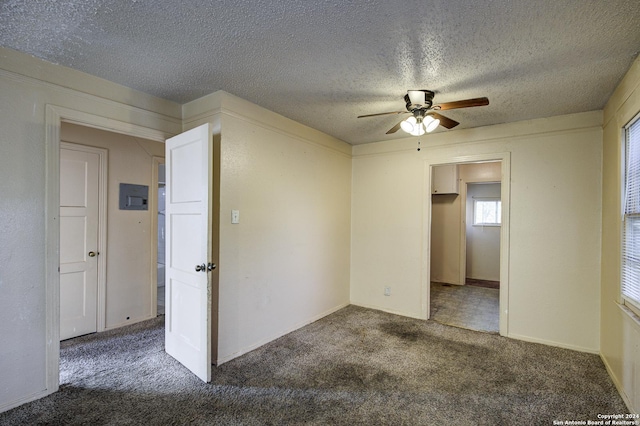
{"x":387,"y":291}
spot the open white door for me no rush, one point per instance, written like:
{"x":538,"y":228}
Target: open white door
{"x":188,"y":210}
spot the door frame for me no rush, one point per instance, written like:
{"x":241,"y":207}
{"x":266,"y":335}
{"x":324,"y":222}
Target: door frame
{"x":505,"y":192}
{"x":102,"y":225}
{"x":154,"y":235}
{"x":54,"y":117}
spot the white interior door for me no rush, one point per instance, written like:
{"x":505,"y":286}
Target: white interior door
{"x":188,"y":223}
{"x":79,"y":177}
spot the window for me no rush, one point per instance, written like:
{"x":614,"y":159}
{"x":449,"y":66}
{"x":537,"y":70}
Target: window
{"x":631,"y":217}
{"x":487,"y":212}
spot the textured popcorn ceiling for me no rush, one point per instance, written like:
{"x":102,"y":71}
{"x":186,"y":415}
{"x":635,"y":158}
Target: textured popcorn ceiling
{"x":323,"y":63}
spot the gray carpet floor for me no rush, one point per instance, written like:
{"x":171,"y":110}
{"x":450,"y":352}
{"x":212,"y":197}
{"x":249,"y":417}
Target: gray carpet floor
{"x":354,"y":367}
{"x":466,"y":306}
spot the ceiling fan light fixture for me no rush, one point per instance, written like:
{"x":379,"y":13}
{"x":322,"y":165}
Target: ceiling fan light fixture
{"x":432,"y":124}
{"x":417,"y":125}
{"x":413,"y":126}
{"x":418,"y":130}
{"x":409,"y":124}
{"x":426,"y":120}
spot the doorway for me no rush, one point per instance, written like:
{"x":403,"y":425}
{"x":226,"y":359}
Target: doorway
{"x":465,"y":260}
{"x":124,"y":247}
{"x":55,"y":118}
{"x":124,"y":250}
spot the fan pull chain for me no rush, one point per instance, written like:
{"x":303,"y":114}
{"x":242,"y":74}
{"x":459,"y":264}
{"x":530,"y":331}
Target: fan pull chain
{"x":418,"y":143}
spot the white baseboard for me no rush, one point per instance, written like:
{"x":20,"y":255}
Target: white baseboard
{"x":18,"y":402}
{"x":389,"y":311}
{"x":262,"y":342}
{"x":128,"y":322}
{"x":552,"y":343}
{"x":618,"y":385}
{"x":484,"y":279}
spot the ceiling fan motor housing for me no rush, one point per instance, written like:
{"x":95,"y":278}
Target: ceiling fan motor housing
{"x":419,"y":99}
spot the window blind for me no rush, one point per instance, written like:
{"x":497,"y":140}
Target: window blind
{"x":631,"y":235}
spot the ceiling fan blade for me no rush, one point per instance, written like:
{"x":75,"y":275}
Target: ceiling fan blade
{"x":394,"y":128}
{"x":444,"y":121}
{"x":382,"y":113}
{"x":464,"y":104}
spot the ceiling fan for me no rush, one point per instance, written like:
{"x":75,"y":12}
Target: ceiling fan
{"x":424,"y":117}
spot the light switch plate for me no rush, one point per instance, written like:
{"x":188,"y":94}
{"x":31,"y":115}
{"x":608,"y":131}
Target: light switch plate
{"x":235,"y":216}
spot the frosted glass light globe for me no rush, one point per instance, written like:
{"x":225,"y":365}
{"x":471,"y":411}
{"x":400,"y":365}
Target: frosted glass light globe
{"x":432,"y":124}
{"x":409,"y":125}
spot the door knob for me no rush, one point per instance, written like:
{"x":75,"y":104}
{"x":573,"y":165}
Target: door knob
{"x":202,"y":267}
{"x":93,"y":254}
{"x":211,"y":266}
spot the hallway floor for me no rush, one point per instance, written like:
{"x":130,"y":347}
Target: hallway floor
{"x":465,"y":306}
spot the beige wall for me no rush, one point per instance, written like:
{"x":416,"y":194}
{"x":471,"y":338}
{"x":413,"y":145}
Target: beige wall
{"x":287,"y":262}
{"x":130,"y":234}
{"x":620,"y":336}
{"x":553,"y":291}
{"x":34,"y":95}
{"x":447,"y":225}
{"x":446,"y":248}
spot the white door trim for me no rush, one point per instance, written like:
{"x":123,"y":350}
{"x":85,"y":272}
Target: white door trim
{"x":102,"y":226}
{"x":153,"y":205}
{"x":505,"y":159}
{"x":54,"y":116}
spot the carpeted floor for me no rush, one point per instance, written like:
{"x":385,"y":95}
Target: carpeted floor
{"x":354,"y":367}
